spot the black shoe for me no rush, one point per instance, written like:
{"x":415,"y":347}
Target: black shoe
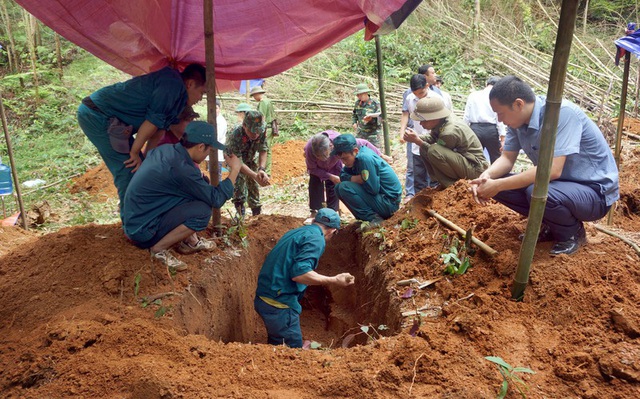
{"x":543,"y":236}
{"x":571,"y":245}
{"x":255,"y":211}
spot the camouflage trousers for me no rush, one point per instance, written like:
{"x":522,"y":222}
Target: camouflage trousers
{"x":247,"y":189}
{"x":374,"y":137}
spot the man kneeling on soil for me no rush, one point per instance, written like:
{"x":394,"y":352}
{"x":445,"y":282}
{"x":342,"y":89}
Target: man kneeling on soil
{"x":584,"y":178}
{"x":168,"y":200}
{"x":286,"y":273}
{"x":368,"y":186}
{"x":451,"y":151}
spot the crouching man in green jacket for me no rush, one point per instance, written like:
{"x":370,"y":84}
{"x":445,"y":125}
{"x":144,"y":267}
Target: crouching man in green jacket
{"x":168,"y":200}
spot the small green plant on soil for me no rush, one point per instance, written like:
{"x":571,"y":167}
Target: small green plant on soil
{"x":409,"y":223}
{"x":238,"y":230}
{"x":380,"y":233}
{"x":509,"y":376}
{"x":371,"y":332}
{"x":456,"y":254}
{"x":136,"y":284}
{"x":455,"y":260}
{"x":161,"y":311}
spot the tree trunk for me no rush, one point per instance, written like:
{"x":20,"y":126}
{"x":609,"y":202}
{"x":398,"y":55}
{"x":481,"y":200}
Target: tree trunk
{"x":28,"y":23}
{"x":58,"y":53}
{"x":11,"y":51}
{"x":476,"y":22}
{"x":584,"y":17}
{"x":635,"y":106}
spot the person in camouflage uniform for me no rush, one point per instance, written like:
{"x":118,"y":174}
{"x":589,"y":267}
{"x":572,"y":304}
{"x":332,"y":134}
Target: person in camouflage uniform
{"x":366,"y":127}
{"x":245,"y":141}
{"x":265,"y":106}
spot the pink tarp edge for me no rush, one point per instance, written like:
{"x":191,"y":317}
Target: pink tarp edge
{"x":253,"y":38}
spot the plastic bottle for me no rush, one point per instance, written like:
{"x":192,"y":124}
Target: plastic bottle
{"x":6,"y":185}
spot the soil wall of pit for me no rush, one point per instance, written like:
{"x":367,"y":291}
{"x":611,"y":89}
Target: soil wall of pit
{"x":220,"y":301}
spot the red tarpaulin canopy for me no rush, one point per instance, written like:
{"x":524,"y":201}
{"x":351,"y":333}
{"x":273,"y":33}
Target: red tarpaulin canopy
{"x":253,"y":38}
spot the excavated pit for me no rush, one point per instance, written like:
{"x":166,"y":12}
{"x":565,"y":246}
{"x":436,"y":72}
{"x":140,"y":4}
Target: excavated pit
{"x":221,"y":307}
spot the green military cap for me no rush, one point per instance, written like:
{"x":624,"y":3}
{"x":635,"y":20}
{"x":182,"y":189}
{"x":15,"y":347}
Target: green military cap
{"x":243,"y":107}
{"x":362,"y":88}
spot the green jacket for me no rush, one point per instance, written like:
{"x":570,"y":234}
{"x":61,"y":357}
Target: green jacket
{"x":360,"y":110}
{"x":458,"y":136}
{"x":265,"y":106}
{"x":238,"y":143}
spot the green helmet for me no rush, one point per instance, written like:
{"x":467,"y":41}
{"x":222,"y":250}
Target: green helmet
{"x":243,"y":107}
{"x":362,"y":88}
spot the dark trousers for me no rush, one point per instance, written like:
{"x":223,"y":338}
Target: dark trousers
{"x":568,"y":205}
{"x":283,"y":325}
{"x":317,"y":190}
{"x":489,"y":138}
{"x":195,"y":215}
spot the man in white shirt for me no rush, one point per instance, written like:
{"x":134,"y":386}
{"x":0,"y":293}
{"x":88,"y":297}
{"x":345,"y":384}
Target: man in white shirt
{"x":221,"y":125}
{"x":479,"y":115}
{"x":446,"y":97}
{"x":419,"y":89}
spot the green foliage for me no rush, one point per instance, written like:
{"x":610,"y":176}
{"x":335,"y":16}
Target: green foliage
{"x":456,"y":260}
{"x":409,"y":223}
{"x":509,"y":376}
{"x":379,"y":233}
{"x":369,"y":330}
{"x":237,"y":232}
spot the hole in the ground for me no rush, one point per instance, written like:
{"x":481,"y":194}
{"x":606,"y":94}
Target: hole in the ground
{"x":221,"y":307}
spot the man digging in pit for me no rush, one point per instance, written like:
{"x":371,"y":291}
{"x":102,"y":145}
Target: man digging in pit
{"x":287,"y":271}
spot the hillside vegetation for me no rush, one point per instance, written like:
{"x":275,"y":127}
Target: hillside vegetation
{"x":507,"y":37}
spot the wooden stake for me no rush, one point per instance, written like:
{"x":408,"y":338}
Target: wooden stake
{"x":618,"y":236}
{"x":211,"y":98}
{"x":484,"y":247}
{"x":14,"y":171}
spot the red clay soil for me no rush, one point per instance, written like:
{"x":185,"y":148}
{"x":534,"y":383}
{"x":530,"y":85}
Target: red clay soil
{"x":74,"y":325}
{"x":97,"y":182}
{"x":287,"y":161}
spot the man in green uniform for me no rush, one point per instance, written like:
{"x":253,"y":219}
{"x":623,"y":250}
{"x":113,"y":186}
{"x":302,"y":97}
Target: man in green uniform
{"x":287,"y":271}
{"x":245,"y":141}
{"x":168,"y":200}
{"x":365,"y":125}
{"x":451,"y":150}
{"x":265,"y":106}
{"x":368,"y":186}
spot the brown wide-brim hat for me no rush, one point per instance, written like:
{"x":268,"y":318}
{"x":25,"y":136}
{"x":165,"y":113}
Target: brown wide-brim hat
{"x":257,"y":90}
{"x":430,"y":108}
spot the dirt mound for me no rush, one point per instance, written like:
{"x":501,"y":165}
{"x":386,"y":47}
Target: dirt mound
{"x":12,"y":236}
{"x":287,"y":161}
{"x":86,"y":315}
{"x":97,"y":182}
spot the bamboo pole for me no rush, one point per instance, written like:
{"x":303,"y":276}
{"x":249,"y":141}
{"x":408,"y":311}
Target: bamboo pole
{"x":564,"y":38}
{"x":14,"y":171}
{"x":13,"y":60}
{"x":484,"y":247}
{"x":623,"y":105}
{"x":211,"y":98}
{"x":383,"y":104}
{"x":58,"y":54}
{"x":29,"y":25}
